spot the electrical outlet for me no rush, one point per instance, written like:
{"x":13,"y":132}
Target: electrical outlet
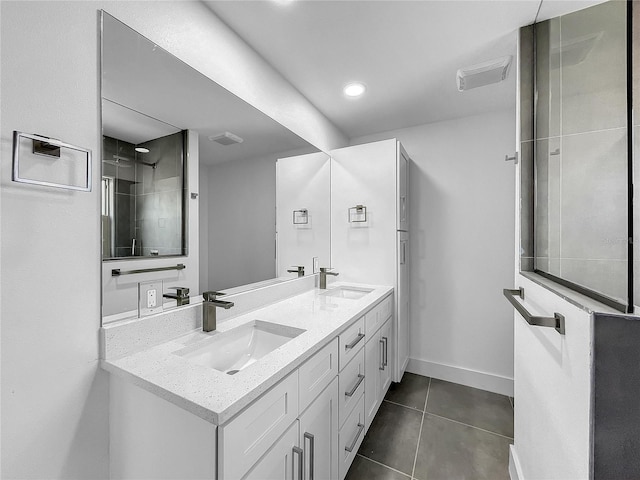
{"x":149,"y":298}
{"x":316,"y":265}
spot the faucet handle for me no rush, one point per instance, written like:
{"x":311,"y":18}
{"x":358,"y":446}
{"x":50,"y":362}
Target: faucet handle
{"x":325,"y":269}
{"x":180,"y":291}
{"x":211,"y":295}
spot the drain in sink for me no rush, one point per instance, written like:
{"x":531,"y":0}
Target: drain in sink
{"x":232,"y":372}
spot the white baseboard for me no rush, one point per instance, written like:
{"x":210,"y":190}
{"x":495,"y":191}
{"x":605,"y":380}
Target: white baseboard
{"x":463,"y":376}
{"x":515,"y":471}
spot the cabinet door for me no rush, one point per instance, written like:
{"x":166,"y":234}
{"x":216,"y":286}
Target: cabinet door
{"x":319,"y":435}
{"x":282,"y":461}
{"x":373,"y":363}
{"x":403,"y":189}
{"x":387,"y":358}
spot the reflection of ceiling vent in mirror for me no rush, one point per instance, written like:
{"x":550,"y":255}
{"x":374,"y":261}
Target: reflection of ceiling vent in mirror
{"x":483,"y":74}
{"x":226,"y":138}
{"x":573,"y":51}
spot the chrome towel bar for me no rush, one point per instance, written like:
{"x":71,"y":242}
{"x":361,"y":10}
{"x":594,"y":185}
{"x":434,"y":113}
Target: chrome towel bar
{"x":116,"y":272}
{"x":557,"y":321}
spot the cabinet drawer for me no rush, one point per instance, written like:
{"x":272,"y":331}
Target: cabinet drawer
{"x":350,"y":437}
{"x":351,"y":385}
{"x":375,"y":317}
{"x":350,"y":342}
{"x":318,"y":372}
{"x":244,"y":439}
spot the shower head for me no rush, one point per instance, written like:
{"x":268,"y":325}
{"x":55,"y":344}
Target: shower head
{"x":119,"y":161}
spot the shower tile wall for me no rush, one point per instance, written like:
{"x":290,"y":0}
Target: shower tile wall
{"x":581,"y":148}
{"x":159,"y":196}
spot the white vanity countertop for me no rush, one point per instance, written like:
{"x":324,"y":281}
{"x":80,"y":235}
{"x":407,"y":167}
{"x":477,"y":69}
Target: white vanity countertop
{"x":216,"y":396}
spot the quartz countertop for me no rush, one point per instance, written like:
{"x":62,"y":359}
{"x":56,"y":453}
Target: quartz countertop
{"x":216,"y":396}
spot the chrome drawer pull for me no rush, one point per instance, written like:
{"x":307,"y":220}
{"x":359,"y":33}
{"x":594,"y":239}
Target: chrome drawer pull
{"x":298,"y":451}
{"x":355,"y":342}
{"x":311,"y":453}
{"x":355,"y":440}
{"x":386,"y":351}
{"x":355,"y":387}
{"x":381,"y":366}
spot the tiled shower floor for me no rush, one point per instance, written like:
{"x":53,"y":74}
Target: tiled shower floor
{"x":429,"y":429}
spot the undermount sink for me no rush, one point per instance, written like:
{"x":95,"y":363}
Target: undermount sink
{"x":236,"y":349}
{"x":354,"y":293}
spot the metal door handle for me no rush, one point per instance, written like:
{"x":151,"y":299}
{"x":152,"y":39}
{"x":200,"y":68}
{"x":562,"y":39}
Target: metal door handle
{"x":298,"y":451}
{"x":557,"y":321}
{"x":355,"y":387}
{"x":312,"y":448}
{"x":355,"y":342}
{"x":381,"y":366}
{"x":355,"y":440}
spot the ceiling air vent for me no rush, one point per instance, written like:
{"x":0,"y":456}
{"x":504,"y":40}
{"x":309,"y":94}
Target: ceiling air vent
{"x":226,"y":138}
{"x":483,"y":74}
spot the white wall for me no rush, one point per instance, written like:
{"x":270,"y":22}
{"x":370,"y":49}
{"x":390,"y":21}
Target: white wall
{"x":461,"y":236}
{"x":303,"y":181}
{"x":241,"y":220}
{"x":54,"y":396}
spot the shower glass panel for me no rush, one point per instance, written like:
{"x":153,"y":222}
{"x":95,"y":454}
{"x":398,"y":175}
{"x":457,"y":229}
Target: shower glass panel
{"x":143,"y":197}
{"x":579,"y":154}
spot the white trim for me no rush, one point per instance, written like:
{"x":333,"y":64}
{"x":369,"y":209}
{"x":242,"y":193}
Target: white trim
{"x":515,"y":470}
{"x":463,"y":376}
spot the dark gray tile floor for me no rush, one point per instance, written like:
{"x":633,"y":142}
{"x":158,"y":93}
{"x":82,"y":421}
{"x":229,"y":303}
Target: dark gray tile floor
{"x":429,"y":429}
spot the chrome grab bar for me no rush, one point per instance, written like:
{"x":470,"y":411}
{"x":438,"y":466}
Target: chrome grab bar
{"x":355,"y":342}
{"x":116,"y":272}
{"x":355,"y":387}
{"x":355,"y":440}
{"x":557,"y":321}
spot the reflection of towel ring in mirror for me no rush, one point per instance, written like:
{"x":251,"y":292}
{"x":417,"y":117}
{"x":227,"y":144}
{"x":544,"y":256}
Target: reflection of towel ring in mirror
{"x":301,"y":217}
{"x":358,"y":214}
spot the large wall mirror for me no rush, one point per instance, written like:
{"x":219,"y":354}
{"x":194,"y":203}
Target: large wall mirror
{"x":189,"y":176}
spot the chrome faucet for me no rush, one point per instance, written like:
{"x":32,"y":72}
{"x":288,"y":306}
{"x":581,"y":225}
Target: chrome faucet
{"x":209,"y":305}
{"x":324,"y":271}
{"x":299,"y":269}
{"x":181,"y":296}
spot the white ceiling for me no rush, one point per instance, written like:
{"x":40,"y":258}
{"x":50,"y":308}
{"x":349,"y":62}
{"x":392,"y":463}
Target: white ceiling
{"x":406,"y":52}
{"x":156,"y":88}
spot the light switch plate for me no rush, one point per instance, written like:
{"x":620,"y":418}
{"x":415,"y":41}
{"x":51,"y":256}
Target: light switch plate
{"x":316,"y":265}
{"x":149,"y":298}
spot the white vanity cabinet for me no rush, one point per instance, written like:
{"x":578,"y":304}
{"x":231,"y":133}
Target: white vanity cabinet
{"x":307,"y":426}
{"x":378,"y":358}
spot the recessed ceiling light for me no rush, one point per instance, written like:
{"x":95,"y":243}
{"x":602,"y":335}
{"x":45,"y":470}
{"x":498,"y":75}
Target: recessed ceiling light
{"x":354,"y":89}
{"x":142,"y":150}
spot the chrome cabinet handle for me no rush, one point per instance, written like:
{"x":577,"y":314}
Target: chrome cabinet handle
{"x":355,"y":440}
{"x":298,"y":451}
{"x":312,"y":448}
{"x":557,"y":321}
{"x":386,"y":350}
{"x":355,"y":342}
{"x":381,"y":366}
{"x":355,"y":387}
